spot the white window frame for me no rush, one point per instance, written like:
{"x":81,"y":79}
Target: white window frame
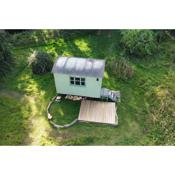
{"x":82,"y":81}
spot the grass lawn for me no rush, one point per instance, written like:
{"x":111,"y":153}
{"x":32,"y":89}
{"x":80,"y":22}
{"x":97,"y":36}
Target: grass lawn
{"x":65,"y":112}
{"x":25,"y":96}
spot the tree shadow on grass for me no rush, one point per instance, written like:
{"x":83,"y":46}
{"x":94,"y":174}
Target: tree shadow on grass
{"x":41,"y":131}
{"x":70,"y":48}
{"x":105,"y":44}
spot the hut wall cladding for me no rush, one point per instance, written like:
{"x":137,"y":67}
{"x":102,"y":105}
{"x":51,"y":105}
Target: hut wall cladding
{"x":91,"y":89}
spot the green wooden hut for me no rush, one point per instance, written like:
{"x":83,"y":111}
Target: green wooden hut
{"x":78,"y":76}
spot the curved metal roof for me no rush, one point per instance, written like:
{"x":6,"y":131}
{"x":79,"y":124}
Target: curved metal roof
{"x":79,"y":66}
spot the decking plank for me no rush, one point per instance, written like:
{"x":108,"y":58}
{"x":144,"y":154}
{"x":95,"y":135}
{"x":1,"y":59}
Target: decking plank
{"x":97,"y":111}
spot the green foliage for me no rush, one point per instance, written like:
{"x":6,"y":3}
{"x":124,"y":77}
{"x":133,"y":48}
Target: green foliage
{"x":6,"y":59}
{"x":172,"y":32}
{"x":40,"y":62}
{"x":161,"y":35}
{"x":121,"y":68}
{"x":24,"y":122}
{"x":69,"y":34}
{"x":139,"y":43}
{"x":43,"y":37}
{"x":34,"y":37}
{"x":173,"y":56}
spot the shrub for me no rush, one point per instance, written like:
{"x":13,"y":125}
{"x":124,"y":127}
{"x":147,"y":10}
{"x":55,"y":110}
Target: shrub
{"x":161,"y":35}
{"x":40,"y":62}
{"x":5,"y":55}
{"x":120,"y":68}
{"x":172,"y":32}
{"x":139,"y":42}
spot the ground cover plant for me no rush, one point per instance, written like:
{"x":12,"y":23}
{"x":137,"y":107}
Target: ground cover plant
{"x":146,"y":111}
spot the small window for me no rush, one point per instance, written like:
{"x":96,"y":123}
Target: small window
{"x":72,"y":80}
{"x":82,"y":81}
{"x":97,"y":79}
{"x":77,"y":81}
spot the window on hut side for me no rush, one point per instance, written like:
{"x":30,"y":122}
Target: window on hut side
{"x":78,"y":81}
{"x":72,"y":80}
{"x":82,"y":81}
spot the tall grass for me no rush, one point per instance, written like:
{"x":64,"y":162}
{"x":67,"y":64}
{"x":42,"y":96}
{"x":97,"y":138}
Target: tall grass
{"x":121,"y":68}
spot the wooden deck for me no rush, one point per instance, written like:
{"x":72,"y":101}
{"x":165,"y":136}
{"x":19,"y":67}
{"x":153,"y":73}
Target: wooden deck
{"x":99,"y":112}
